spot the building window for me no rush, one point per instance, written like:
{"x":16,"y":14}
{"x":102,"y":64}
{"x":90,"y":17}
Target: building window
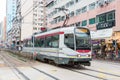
{"x":77,"y":1}
{"x":92,"y":6}
{"x":67,"y":5}
{"x":77,"y":24}
{"x":111,"y":16}
{"x":102,"y":18}
{"x":71,"y":3}
{"x":78,"y":11}
{"x":84,"y":23}
{"x":71,"y":14}
{"x":84,"y":9}
{"x":34,"y":28}
{"x":40,"y":24}
{"x":92,"y":21}
{"x":62,"y":18}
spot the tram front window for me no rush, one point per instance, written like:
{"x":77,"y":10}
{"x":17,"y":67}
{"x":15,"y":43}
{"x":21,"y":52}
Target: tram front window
{"x":83,"y":41}
{"x":69,"y":40}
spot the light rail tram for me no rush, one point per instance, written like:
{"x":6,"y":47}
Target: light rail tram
{"x":68,"y":45}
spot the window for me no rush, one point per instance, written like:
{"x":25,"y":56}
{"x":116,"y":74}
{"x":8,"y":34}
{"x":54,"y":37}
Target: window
{"x":39,"y":42}
{"x":92,"y":21}
{"x":62,"y":18}
{"x":34,"y":28}
{"x":111,"y":16}
{"x":69,"y":40}
{"x":40,"y":24}
{"x":78,"y":11}
{"x":52,"y":41}
{"x":92,"y":6}
{"x":78,"y":24}
{"x":51,"y":4}
{"x":71,"y":3}
{"x":77,"y":1}
{"x":71,"y":14}
{"x":84,"y":23}
{"x":67,"y":5}
{"x":84,"y":9}
{"x":101,"y":18}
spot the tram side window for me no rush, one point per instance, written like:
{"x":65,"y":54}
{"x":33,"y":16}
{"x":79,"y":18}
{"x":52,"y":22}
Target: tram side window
{"x":42,"y":42}
{"x":37,"y":42}
{"x":55,"y":41}
{"x":52,"y":41}
{"x":48,"y":42}
{"x":69,"y":40}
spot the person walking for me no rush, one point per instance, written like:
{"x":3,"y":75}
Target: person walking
{"x":118,"y":53}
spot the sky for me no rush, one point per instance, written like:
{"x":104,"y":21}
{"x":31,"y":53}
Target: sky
{"x":2,"y":9}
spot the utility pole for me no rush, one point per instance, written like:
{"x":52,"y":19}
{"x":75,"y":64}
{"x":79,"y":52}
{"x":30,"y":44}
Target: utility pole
{"x":19,"y":23}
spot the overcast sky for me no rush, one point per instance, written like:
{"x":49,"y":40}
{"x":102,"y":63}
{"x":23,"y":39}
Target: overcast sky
{"x":2,"y":9}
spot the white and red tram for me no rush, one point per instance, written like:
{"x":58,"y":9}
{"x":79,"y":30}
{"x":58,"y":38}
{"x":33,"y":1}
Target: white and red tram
{"x":68,"y":45}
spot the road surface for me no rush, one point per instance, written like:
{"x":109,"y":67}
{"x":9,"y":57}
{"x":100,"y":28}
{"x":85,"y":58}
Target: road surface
{"x":15,"y":68}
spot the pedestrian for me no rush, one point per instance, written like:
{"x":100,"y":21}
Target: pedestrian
{"x":112,"y":53}
{"x":119,"y":53}
{"x":34,"y":55}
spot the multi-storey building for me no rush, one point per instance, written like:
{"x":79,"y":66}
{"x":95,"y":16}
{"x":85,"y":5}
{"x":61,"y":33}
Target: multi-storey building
{"x":10,"y":13}
{"x":3,"y":30}
{"x":28,"y":19}
{"x":0,"y":30}
{"x":101,"y":16}
{"x":32,"y":17}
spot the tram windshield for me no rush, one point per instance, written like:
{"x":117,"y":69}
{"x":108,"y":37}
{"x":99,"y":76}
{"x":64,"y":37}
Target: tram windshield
{"x":79,"y":41}
{"x":83,"y":40}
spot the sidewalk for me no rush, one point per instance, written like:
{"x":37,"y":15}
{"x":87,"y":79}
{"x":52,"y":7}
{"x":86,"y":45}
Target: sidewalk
{"x":107,"y":60}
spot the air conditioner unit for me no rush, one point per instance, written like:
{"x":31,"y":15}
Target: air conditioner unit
{"x":106,"y":1}
{"x":101,"y":3}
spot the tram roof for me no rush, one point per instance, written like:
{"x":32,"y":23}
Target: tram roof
{"x":65,"y":29}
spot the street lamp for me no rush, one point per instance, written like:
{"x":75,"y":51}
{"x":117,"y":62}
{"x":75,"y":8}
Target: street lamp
{"x":67,"y":16}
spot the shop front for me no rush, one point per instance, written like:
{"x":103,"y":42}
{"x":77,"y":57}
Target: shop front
{"x":113,"y":45}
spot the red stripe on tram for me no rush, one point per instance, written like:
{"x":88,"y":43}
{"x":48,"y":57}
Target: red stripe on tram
{"x":51,"y":34}
{"x":83,"y":51}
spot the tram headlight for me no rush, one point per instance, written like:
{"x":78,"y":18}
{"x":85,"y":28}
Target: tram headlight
{"x":78,"y":55}
{"x":89,"y":55}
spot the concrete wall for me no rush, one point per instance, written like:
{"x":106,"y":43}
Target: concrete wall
{"x":27,"y":22}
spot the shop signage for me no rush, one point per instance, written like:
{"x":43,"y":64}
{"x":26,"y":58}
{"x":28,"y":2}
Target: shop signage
{"x":104,"y":25}
{"x":101,"y":34}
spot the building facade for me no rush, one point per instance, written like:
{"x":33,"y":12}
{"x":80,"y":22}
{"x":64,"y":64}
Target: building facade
{"x":28,"y":20}
{"x":3,"y":31}
{"x":10,"y":13}
{"x":32,"y":14}
{"x":97,"y":15}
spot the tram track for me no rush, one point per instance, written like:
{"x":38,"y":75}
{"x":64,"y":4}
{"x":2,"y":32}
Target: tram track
{"x":83,"y":73}
{"x":103,"y":72}
{"x":14,"y":69}
{"x":46,"y":73}
{"x":24,"y":63}
{"x":73,"y":69}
